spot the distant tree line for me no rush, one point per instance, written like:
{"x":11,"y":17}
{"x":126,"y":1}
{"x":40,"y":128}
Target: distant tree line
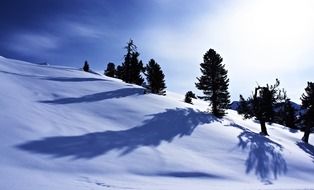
{"x":267,"y":104}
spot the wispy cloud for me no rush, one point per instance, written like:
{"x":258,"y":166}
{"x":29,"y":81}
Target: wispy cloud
{"x":79,"y":29}
{"x":31,"y":43}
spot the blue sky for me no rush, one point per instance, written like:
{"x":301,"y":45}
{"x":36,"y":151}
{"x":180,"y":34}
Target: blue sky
{"x":259,"y":40}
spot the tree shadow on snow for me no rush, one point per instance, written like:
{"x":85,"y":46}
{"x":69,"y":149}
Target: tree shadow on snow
{"x":120,"y":93}
{"x":161,"y":127}
{"x":186,"y":174}
{"x":19,"y":74}
{"x":309,"y":149}
{"x":264,"y":156}
{"x":73,"y":79}
{"x":59,"y":79}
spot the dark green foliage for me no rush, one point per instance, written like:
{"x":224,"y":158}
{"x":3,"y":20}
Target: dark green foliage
{"x":155,"y":78}
{"x":290,"y":115}
{"x":86,"y":66}
{"x":307,"y":99}
{"x":245,"y":107}
{"x":188,"y":97}
{"x":118,"y":73}
{"x":111,"y":70}
{"x":286,"y":114}
{"x":261,"y":104}
{"x":132,"y":67}
{"x":214,"y":83}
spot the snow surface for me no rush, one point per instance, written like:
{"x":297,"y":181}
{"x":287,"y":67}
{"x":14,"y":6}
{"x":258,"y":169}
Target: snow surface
{"x":65,"y":129}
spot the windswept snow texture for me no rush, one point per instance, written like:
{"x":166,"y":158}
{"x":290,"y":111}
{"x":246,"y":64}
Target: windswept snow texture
{"x":65,"y":129}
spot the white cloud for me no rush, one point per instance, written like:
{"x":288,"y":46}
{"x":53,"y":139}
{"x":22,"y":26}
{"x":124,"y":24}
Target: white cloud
{"x":31,"y":43}
{"x":82,"y":29}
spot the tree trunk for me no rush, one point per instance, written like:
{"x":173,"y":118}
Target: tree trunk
{"x":214,"y":109}
{"x":263,"y":128}
{"x":306,"y":135}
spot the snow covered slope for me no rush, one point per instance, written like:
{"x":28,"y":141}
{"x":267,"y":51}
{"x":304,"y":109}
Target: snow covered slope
{"x":64,"y":129}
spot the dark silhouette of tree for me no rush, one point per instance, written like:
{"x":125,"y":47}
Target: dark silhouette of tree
{"x":86,"y":66}
{"x":286,"y":114}
{"x":118,"y":73}
{"x":132,"y":67}
{"x":214,"y":83}
{"x":188,"y":97}
{"x":111,"y":70}
{"x":245,"y":108}
{"x":290,"y":114}
{"x":155,"y":78}
{"x":261,"y":104}
{"x":307,"y":99}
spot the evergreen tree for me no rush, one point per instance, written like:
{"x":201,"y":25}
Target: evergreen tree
{"x":111,"y":70}
{"x":86,"y":66}
{"x":155,"y":78}
{"x":214,"y":83}
{"x":118,"y":73}
{"x":286,"y":114}
{"x":307,"y":99}
{"x":245,"y":107}
{"x":290,"y":114}
{"x":132,"y":67}
{"x":188,"y":97}
{"x":261,"y":105}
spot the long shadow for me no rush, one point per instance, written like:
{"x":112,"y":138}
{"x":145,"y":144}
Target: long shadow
{"x":69,"y":79}
{"x":161,"y":127}
{"x":309,"y":149}
{"x":185,"y":174}
{"x":120,"y":93}
{"x":18,"y":74}
{"x":264,"y":158}
{"x":59,"y":79}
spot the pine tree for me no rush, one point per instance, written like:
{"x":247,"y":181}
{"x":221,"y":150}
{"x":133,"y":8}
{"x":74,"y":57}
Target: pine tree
{"x":214,"y":83}
{"x":286,"y":114}
{"x":261,"y":105}
{"x":155,"y":78}
{"x":244,"y":107}
{"x":307,"y":99}
{"x":119,"y":71}
{"x":132,"y":67}
{"x":86,"y":66}
{"x":290,"y":114}
{"x":111,"y":70}
{"x":188,"y":97}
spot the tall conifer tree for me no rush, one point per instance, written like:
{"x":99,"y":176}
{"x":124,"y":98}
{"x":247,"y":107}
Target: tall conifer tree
{"x":308,"y":104}
{"x":132,"y":67}
{"x":155,"y":78}
{"x":214,"y":83}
